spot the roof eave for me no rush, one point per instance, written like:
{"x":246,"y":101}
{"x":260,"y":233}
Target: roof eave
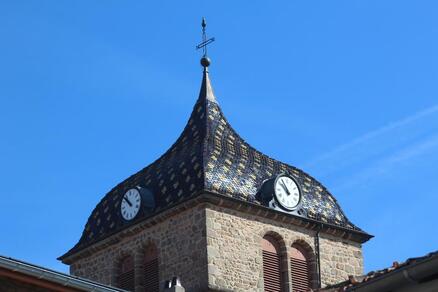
{"x":40,"y":273}
{"x":407,"y":275}
{"x":208,"y":196}
{"x":339,"y":231}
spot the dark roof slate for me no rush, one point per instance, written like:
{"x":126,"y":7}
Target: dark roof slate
{"x":208,"y":156}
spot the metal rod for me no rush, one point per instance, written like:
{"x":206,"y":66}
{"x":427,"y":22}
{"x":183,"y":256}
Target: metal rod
{"x":318,"y":257}
{"x":205,"y":43}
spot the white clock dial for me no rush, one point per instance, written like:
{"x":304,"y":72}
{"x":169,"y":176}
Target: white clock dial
{"x":287,"y":192}
{"x":130,"y":205}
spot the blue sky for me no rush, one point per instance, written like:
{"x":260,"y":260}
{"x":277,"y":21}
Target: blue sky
{"x":93,"y":91}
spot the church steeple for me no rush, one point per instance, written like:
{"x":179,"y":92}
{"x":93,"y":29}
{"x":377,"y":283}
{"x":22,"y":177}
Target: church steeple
{"x":208,"y":157}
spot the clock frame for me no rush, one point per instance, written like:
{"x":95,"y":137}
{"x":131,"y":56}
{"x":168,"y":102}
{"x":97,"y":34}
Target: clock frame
{"x":283,"y":189}
{"x":266,"y":194}
{"x":142,"y":201}
{"x":131,"y":204}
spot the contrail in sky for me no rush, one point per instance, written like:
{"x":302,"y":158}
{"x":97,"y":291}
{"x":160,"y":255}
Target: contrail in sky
{"x":366,"y":147}
{"x":383,"y":166}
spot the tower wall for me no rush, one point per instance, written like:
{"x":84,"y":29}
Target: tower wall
{"x":181,"y":243}
{"x":219,"y":248}
{"x":235,"y":254}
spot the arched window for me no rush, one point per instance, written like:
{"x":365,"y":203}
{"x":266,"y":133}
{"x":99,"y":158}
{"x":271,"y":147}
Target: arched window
{"x":150,"y":269}
{"x":271,"y":264}
{"x":125,"y":279}
{"x":300,"y":264}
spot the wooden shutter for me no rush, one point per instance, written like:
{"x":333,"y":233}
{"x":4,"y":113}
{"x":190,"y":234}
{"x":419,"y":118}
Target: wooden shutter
{"x":300,"y":272}
{"x":151,"y":273}
{"x":125,"y":279}
{"x":271,"y":265}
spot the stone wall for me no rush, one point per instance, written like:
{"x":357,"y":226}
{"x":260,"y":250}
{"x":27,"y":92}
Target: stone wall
{"x":217,"y":248}
{"x":339,"y":259}
{"x":235,"y":257}
{"x":181,"y":243}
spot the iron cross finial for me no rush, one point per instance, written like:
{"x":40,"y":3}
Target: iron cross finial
{"x":205,"y":41}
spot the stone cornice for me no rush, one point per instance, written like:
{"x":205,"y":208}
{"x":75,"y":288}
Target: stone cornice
{"x":262,"y":211}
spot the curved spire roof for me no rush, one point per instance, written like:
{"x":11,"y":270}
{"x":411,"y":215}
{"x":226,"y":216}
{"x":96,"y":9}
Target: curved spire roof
{"x":208,"y":156}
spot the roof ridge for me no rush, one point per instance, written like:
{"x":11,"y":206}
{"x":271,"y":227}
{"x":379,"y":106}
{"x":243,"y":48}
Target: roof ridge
{"x":206,"y":94}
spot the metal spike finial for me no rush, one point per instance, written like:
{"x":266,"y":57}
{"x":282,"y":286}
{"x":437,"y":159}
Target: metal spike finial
{"x":205,"y":61}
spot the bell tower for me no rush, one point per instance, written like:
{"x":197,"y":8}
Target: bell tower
{"x":219,"y":215}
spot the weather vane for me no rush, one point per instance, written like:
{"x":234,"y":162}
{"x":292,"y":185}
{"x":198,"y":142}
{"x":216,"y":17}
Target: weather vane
{"x":205,"y":41}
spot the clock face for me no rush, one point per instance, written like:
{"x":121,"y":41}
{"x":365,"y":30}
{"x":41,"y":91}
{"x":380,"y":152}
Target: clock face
{"x":287,"y":192}
{"x":130,"y":205}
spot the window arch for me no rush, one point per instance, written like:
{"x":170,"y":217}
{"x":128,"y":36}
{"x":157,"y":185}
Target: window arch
{"x":272,"y":264}
{"x":125,"y":278}
{"x":150,"y":269}
{"x":302,"y":264}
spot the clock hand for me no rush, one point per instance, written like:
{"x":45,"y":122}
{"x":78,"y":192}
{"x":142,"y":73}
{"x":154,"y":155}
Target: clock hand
{"x":127,"y":201}
{"x":284,"y":187}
